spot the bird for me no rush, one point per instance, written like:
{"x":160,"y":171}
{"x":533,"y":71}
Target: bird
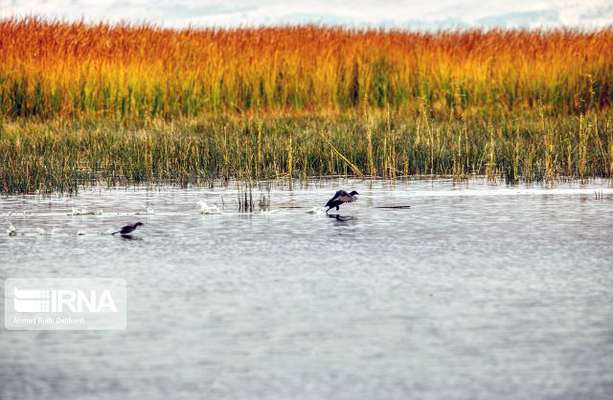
{"x":339,"y":198}
{"x":11,"y":231}
{"x":208,"y":209}
{"x":128,"y":228}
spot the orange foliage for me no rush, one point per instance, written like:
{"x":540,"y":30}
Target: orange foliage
{"x":50,"y":68}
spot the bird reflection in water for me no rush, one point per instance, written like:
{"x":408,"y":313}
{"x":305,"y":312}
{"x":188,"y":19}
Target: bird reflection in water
{"x":131,"y":237}
{"x":341,"y":218}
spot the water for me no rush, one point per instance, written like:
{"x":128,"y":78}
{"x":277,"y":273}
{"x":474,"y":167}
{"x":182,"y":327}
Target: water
{"x":476,"y":292}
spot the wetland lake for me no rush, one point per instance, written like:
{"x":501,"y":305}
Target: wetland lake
{"x":476,"y":291}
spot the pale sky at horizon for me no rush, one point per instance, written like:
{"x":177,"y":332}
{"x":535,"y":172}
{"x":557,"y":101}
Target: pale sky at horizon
{"x":387,"y":13}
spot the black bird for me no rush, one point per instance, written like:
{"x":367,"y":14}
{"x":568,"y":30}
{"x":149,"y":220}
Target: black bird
{"x":339,"y":198}
{"x":128,"y":228}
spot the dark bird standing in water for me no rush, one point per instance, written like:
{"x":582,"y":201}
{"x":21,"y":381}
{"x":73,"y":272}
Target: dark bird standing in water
{"x":339,"y":198}
{"x":128,"y":228}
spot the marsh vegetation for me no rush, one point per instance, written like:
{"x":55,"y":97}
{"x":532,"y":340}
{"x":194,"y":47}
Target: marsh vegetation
{"x":60,"y":155}
{"x":129,"y":104}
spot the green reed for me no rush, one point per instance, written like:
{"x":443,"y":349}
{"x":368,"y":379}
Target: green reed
{"x":62,"y":155}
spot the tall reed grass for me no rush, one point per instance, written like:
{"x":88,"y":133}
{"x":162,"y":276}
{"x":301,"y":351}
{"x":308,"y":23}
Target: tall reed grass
{"x":86,"y":103}
{"x":50,"y":69}
{"x":60,"y":155}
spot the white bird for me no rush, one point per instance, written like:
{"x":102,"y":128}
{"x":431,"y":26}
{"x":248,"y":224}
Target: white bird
{"x":207,"y":209}
{"x":82,"y":211}
{"x":11,"y":230}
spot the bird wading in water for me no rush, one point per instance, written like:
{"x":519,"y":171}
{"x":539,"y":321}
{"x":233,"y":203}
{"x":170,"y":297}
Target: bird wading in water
{"x":126,"y":230}
{"x":339,"y":198}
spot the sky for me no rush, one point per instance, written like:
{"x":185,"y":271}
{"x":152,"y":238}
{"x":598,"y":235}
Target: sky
{"x":412,"y":14}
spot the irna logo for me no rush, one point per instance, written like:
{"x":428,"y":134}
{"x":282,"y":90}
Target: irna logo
{"x":63,"y":300}
{"x":65,"y":303}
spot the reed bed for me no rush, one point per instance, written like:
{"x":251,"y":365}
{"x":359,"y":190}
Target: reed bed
{"x":119,"y":104}
{"x":57,"y":69}
{"x":62,"y":155}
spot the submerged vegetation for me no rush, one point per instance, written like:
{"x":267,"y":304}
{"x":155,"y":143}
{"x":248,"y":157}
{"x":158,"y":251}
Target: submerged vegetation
{"x":129,"y":104}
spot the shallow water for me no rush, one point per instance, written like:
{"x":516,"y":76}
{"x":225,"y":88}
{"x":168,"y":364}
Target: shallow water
{"x":477,"y":291}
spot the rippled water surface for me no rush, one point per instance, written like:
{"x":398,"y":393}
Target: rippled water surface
{"x":476,"y":292}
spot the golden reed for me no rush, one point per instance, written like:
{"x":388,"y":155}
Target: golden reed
{"x":59,"y":69}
